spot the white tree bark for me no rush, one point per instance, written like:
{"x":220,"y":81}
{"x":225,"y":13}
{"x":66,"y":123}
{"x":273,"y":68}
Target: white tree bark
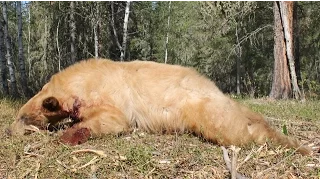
{"x":96,"y":42}
{"x":13,"y":83}
{"x":58,"y":47}
{"x":72,"y":32}
{"x":286,"y":10}
{"x":167,"y":36}
{"x":96,"y":22}
{"x":125,"y":31}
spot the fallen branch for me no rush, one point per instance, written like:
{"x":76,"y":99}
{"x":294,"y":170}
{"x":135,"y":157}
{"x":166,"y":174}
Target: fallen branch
{"x":228,"y":164}
{"x":235,"y":152}
{"x":98,"y":152}
{"x":92,"y":161}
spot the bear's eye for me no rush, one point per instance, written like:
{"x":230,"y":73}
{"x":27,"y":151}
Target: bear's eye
{"x":51,"y":104}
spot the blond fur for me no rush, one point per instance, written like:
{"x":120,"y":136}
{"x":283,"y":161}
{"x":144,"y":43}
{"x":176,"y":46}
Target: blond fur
{"x":112,"y":97}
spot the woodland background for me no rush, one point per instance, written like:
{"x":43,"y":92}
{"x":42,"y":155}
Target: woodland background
{"x":233,"y":43}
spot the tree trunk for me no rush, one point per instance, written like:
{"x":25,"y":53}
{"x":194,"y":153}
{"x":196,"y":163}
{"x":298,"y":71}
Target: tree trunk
{"x":114,"y":27}
{"x":22,"y":68}
{"x":167,"y":36}
{"x":296,"y":40}
{"x":95,"y":32}
{"x":29,"y":40}
{"x":238,"y":61}
{"x":3,"y":67}
{"x":72,"y":24}
{"x":281,"y":87}
{"x":286,"y":11}
{"x":58,"y":47}
{"x":45,"y":44}
{"x":125,"y":31}
{"x":13,"y":83}
{"x":96,"y":42}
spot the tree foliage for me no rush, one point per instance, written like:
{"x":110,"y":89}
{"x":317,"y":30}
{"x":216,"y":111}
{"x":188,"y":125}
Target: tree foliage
{"x":222,"y":40}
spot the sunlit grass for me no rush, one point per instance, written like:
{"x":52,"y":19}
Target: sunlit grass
{"x":143,"y":155}
{"x":285,"y":109}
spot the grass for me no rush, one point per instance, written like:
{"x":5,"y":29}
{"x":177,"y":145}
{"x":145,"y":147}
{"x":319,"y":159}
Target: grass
{"x":143,"y":155}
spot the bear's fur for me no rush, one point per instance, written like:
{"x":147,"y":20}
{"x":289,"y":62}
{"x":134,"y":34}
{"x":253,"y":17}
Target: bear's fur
{"x":102,"y":97}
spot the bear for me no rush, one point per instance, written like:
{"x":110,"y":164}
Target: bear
{"x":102,"y":96}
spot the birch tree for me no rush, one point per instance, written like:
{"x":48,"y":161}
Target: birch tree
{"x":72,"y":25}
{"x":167,"y":36}
{"x":96,"y":26}
{"x":125,"y":31}
{"x":96,"y":40}
{"x":13,"y":82}
{"x":22,"y":68}
{"x":121,"y":47}
{"x":115,"y":34}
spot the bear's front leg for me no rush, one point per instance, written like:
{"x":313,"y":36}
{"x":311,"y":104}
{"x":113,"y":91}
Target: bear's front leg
{"x":95,"y":120}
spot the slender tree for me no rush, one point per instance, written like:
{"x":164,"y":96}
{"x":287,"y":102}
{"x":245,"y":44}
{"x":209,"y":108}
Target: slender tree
{"x":96,"y":41}
{"x":296,"y":40}
{"x":167,"y":35}
{"x":96,"y":22}
{"x":29,"y":39}
{"x":238,"y":60}
{"x":22,"y":68}
{"x":125,"y":31}
{"x":72,"y":25}
{"x":13,"y":83}
{"x":115,"y":34}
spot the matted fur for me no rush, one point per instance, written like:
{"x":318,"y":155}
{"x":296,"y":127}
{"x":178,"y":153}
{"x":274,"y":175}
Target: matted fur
{"x":103,"y":96}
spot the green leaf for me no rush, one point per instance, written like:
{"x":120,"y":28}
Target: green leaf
{"x":284,"y":129}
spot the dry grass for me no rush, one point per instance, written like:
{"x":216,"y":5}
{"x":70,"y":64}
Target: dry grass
{"x":142,"y":155}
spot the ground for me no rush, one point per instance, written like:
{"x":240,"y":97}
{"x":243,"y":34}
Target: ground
{"x":143,"y":155}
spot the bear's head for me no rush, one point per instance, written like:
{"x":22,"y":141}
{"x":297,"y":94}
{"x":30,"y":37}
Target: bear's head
{"x":40,"y":111}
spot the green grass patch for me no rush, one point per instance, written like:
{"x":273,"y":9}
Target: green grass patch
{"x":143,"y":155}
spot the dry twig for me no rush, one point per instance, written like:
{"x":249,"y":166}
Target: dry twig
{"x":228,"y":163}
{"x":99,"y":152}
{"x":37,"y":170}
{"x":92,"y":161}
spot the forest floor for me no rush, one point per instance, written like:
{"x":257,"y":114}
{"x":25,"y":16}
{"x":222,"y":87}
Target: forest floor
{"x":143,"y":155}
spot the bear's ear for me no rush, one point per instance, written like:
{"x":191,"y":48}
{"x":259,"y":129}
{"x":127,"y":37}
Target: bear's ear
{"x":51,"y":104}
